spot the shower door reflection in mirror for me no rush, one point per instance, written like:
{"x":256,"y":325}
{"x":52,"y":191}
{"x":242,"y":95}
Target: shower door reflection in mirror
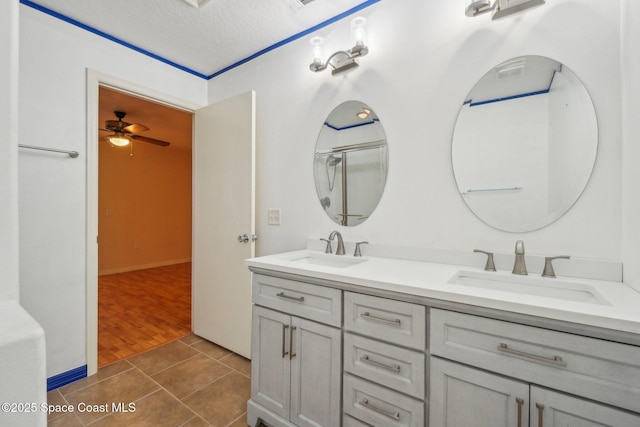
{"x":350,"y":163}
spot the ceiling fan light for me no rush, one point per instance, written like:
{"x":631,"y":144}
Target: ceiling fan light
{"x":119,"y":140}
{"x":364,"y":113}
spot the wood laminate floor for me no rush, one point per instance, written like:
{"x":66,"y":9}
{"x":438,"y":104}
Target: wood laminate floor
{"x":141,"y":310}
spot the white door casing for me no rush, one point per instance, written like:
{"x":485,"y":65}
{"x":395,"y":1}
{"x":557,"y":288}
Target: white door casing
{"x":223,"y":211}
{"x":96,"y":79}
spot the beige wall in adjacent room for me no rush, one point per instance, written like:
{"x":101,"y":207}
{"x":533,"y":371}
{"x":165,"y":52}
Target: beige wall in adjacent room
{"x":144,"y":207}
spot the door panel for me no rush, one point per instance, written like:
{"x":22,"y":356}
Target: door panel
{"x":270,"y":363}
{"x":223,"y":209}
{"x":552,"y":409}
{"x":315,"y":374}
{"x":463,"y":396}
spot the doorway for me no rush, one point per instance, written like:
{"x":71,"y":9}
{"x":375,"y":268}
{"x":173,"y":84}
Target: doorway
{"x":144,"y":226}
{"x":233,"y":122}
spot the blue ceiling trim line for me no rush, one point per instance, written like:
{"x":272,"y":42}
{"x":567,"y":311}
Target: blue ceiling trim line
{"x":297,"y":36}
{"x":553,"y":76}
{"x":109,"y":37}
{"x":97,"y":32}
{"x":330,"y":126}
{"x":506,"y":98}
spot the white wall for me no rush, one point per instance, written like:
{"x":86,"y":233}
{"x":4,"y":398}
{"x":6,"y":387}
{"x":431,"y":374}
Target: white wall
{"x":631,"y":142}
{"x":424,"y":58}
{"x":22,"y":344}
{"x":8,"y":152}
{"x":502,"y":145}
{"x":54,"y":57}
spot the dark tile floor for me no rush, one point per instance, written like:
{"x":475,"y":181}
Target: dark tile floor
{"x":189,"y":382}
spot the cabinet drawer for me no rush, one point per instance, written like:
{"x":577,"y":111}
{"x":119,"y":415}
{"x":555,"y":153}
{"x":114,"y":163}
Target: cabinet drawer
{"x":380,"y":406}
{"x":394,"y":321}
{"x":348,"y":421}
{"x":600,"y":370}
{"x":394,"y":367}
{"x":305,"y":300}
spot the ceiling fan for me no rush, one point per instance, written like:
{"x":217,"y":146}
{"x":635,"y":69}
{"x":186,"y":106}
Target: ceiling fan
{"x":124,"y":132}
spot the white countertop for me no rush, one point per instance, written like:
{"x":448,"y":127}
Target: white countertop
{"x":430,"y":280}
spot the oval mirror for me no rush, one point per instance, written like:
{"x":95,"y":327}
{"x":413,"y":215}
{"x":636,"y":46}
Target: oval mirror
{"x":524,"y":144}
{"x":350,"y":163}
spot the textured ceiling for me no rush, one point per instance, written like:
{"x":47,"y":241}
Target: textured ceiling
{"x":203,"y":40}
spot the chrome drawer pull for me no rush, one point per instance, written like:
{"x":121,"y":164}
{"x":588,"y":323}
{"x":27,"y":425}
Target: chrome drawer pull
{"x":291,"y":332}
{"x":367,"y":316}
{"x":365,"y":359}
{"x":283,"y":295}
{"x":555,"y":360}
{"x":284,"y":332}
{"x":519,"y":402}
{"x":540,"y":412}
{"x":395,"y":417}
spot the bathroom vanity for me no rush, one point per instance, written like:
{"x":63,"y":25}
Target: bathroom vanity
{"x":367,"y":341}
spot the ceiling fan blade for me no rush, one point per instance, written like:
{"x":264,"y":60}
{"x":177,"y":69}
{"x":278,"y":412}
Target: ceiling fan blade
{"x":149,"y":140}
{"x":135,"y":128}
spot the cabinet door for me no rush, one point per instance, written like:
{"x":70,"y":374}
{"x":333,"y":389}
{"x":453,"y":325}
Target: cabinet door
{"x":463,"y":396}
{"x":270,"y":365}
{"x":315,"y":374}
{"x":553,"y":409}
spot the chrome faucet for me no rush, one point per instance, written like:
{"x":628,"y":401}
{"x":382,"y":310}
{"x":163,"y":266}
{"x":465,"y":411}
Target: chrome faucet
{"x":340,"y":248}
{"x":519,"y":267}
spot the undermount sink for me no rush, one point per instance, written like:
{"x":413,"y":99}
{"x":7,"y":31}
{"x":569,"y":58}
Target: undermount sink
{"x":537,"y":286}
{"x":326,"y":260}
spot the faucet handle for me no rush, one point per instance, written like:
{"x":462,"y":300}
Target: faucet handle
{"x":328,"y":249}
{"x":489,"y":266}
{"x":548,"y":265}
{"x":357,"y":251}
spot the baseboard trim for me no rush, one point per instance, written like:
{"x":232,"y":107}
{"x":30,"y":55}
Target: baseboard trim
{"x":142,"y":266}
{"x":65,"y":378}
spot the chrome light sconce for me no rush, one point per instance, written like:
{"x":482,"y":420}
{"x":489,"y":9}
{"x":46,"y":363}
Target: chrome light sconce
{"x":342,"y":60}
{"x":500,"y":8}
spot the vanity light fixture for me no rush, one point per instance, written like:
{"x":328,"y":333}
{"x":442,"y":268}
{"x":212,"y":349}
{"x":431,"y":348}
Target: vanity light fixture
{"x":500,"y":8}
{"x":342,"y":60}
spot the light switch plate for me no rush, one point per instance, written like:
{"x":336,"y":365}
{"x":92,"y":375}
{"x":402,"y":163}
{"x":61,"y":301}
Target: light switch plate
{"x":273,"y":216}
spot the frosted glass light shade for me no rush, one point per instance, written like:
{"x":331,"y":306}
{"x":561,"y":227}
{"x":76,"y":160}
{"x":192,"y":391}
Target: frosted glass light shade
{"x":119,"y":140}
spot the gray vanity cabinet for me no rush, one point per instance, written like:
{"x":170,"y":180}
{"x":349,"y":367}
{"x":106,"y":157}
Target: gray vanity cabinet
{"x":384,"y":362}
{"x":462,"y":396}
{"x":540,"y":377}
{"x":329,"y":356}
{"x":552,"y":409}
{"x":296,"y":362}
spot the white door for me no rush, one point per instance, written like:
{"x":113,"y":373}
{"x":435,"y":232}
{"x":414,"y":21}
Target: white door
{"x":223,"y":209}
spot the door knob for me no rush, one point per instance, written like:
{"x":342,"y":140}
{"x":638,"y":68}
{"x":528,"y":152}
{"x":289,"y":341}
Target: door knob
{"x":245,"y":239}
